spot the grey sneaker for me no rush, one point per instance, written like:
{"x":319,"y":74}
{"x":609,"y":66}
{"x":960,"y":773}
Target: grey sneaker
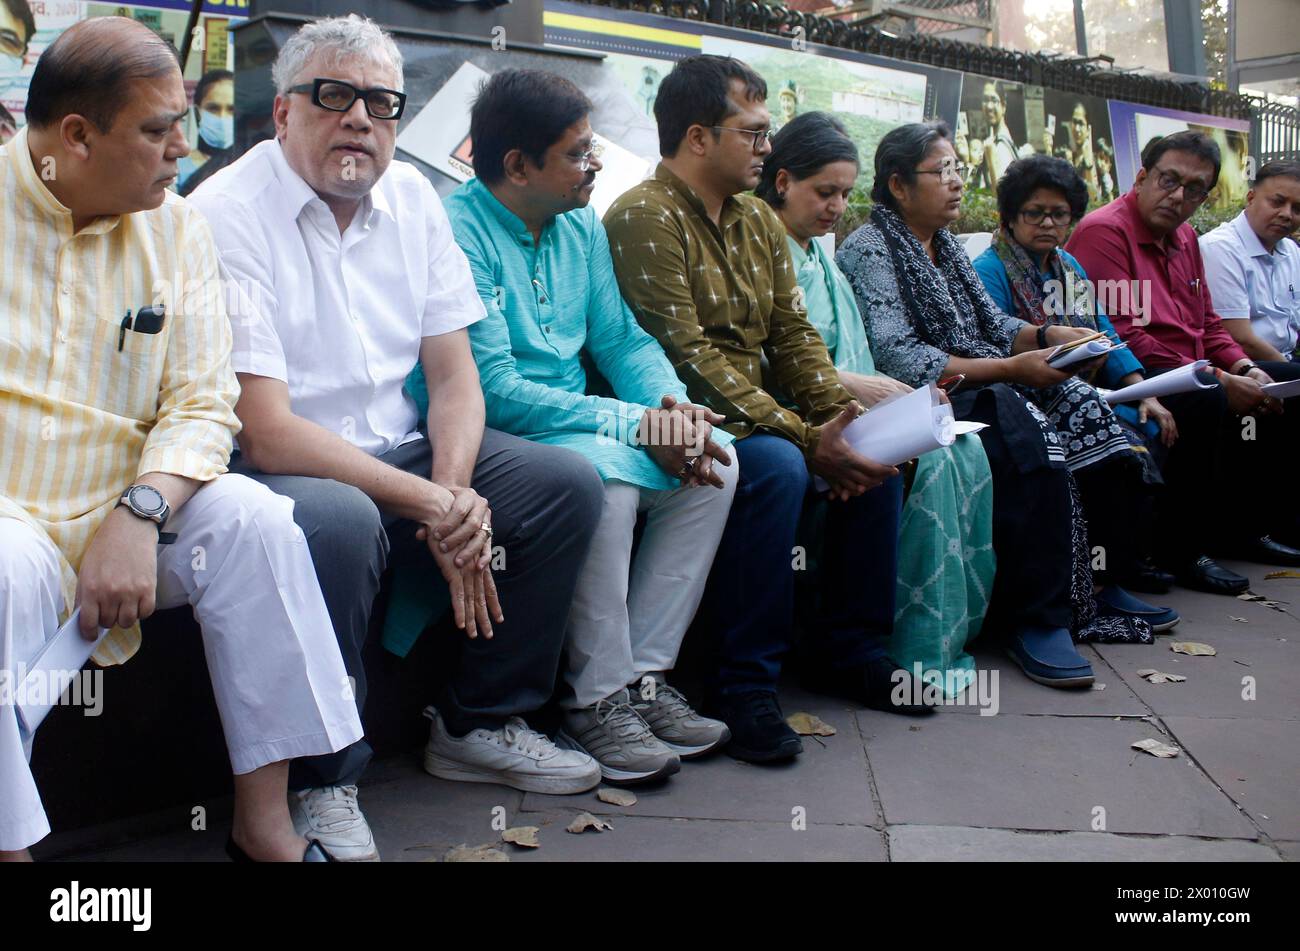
{"x":513,"y":756}
{"x":614,"y":734}
{"x":674,"y":722}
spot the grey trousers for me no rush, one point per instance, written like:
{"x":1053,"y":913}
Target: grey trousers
{"x":546,"y":502}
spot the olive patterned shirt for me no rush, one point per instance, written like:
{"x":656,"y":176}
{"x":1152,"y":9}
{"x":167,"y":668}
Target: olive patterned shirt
{"x":719,"y":298}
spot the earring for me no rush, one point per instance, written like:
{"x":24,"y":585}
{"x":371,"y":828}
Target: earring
{"x":781,"y":195}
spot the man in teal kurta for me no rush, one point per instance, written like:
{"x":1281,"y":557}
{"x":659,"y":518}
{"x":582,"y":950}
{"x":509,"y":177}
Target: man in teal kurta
{"x":542,"y":265}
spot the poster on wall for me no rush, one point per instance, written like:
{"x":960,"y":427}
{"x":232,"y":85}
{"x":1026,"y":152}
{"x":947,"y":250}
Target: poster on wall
{"x":439,"y":136}
{"x":1077,"y":128}
{"x":869,"y":94}
{"x":992,"y":129}
{"x":869,"y":99}
{"x":1136,"y":125}
{"x":27,"y":27}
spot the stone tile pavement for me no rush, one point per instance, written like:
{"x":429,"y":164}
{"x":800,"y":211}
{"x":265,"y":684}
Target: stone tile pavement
{"x":1051,"y":776}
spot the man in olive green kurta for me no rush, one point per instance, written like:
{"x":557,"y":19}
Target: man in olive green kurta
{"x":720,"y":296}
{"x":706,"y":270}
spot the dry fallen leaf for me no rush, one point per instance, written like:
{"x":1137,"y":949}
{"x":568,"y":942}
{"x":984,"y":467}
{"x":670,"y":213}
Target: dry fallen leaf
{"x":476,"y":853}
{"x":1250,"y":597}
{"x":525,"y":836}
{"x":1282,"y":574}
{"x":1155,"y":748}
{"x":1192,"y":647}
{"x":1098,"y":686}
{"x":806,"y":724}
{"x":584,"y":821}
{"x":1159,"y":677}
{"x":616,"y":797}
{"x":1234,"y":618}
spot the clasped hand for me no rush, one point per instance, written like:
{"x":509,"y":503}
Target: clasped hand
{"x":679,"y":438}
{"x":458,"y":531}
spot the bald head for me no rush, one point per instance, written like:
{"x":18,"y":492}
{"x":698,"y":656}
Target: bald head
{"x":89,"y":69}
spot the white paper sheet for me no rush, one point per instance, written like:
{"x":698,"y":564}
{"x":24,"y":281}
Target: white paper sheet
{"x":62,"y":657}
{"x":901,"y":428}
{"x":1182,"y":380}
{"x":441,"y":127}
{"x":620,"y":170}
{"x":1280,"y":391}
{"x":1084,"y":352}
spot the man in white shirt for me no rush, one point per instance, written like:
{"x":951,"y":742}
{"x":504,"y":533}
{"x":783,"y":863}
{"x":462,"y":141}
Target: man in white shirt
{"x":1253,"y":267}
{"x":346,"y":274}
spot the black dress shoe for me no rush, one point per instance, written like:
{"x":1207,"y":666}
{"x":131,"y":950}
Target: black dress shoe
{"x":1266,"y":551}
{"x":1206,"y":574}
{"x":759,"y":733}
{"x":1147,"y":578}
{"x":879,"y":684}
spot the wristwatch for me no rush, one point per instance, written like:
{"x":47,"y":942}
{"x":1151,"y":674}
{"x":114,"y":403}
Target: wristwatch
{"x":1247,"y":368}
{"x":147,"y":502}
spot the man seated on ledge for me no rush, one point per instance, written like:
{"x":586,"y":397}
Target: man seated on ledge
{"x":1170,"y":321}
{"x":706,"y":270}
{"x":118,"y":414}
{"x":351,"y":275}
{"x":1253,"y":266}
{"x":541,"y":262}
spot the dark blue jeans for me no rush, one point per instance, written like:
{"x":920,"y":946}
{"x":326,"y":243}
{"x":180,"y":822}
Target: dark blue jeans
{"x":749,"y":603}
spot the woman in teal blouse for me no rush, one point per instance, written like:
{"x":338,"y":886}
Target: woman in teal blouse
{"x":945,"y":552}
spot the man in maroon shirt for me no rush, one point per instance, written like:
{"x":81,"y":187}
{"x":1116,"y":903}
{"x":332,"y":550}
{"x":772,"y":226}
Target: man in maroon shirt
{"x":1236,"y":430}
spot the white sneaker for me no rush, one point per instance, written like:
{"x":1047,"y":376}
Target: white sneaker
{"x":331,"y":816}
{"x":513,"y":756}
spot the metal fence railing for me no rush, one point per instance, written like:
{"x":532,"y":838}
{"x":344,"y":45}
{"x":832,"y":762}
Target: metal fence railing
{"x":1275,"y":128}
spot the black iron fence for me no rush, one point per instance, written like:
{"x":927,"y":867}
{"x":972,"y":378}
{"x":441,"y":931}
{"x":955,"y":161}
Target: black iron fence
{"x":1275,"y":128}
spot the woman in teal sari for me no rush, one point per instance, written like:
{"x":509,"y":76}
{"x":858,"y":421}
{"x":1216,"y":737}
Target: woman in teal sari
{"x":945,"y":551}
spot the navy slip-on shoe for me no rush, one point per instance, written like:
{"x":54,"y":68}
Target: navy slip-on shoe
{"x":1047,"y":656}
{"x":1114,"y":601}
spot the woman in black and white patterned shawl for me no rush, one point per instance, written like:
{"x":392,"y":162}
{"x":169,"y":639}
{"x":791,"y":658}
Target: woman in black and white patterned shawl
{"x":928,"y":317}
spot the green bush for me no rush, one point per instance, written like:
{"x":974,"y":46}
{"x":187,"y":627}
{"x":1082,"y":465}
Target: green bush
{"x":979,"y":212}
{"x":1207,"y":218}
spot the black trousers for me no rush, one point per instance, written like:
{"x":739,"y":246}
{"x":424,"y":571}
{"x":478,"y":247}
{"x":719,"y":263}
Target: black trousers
{"x":1031,"y":523}
{"x":1117,"y":504}
{"x":545,"y":502}
{"x":1228,"y":478}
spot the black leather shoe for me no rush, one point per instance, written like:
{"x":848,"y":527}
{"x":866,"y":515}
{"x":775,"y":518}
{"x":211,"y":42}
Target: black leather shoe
{"x":879,"y":684}
{"x":759,"y":733}
{"x":1266,"y":551}
{"x":1206,"y":574}
{"x":1147,"y":578}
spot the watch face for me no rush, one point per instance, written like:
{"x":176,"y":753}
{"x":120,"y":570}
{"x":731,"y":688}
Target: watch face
{"x":147,"y":499}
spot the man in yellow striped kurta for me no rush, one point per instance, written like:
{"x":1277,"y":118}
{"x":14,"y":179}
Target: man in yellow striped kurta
{"x":102,"y":398}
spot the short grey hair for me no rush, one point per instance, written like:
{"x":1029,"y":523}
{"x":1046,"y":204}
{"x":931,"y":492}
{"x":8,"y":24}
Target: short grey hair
{"x":349,"y":36}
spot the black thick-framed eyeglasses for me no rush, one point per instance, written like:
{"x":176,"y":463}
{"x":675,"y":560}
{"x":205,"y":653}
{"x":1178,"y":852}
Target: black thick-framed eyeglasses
{"x":1169,"y":182}
{"x":1058,"y":218}
{"x":338,"y":96}
{"x":758,"y":136}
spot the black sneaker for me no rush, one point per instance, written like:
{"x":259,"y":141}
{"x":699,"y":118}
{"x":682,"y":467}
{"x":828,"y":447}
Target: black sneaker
{"x":876,"y":684}
{"x":759,"y":733}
